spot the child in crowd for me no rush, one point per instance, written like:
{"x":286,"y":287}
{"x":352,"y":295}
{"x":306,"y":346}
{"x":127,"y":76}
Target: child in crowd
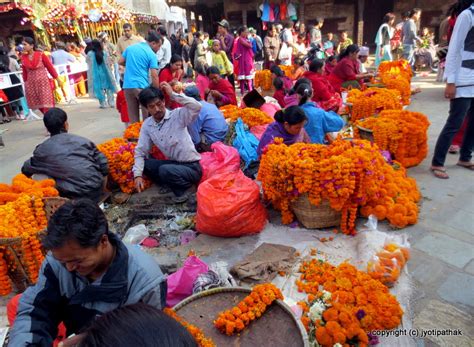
{"x":202,"y":81}
{"x":298,"y":69}
{"x":280,"y":91}
{"x":220,"y":59}
{"x":331,"y":62}
{"x":121,"y":105}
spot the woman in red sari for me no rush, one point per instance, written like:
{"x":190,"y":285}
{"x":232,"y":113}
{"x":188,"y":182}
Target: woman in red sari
{"x":36,"y":65}
{"x":172,"y":73}
{"x":220,"y":89}
{"x":347,"y":71}
{"x":323,"y":92}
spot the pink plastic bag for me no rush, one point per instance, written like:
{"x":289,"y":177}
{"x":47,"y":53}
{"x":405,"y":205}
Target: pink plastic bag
{"x":180,"y":284}
{"x":221,"y":160}
{"x":258,"y":130}
{"x":270,"y":109}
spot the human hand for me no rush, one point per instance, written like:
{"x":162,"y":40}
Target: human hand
{"x":450,"y":91}
{"x":139,"y":184}
{"x":166,"y":88}
{"x":215,"y":93}
{"x":72,"y":341}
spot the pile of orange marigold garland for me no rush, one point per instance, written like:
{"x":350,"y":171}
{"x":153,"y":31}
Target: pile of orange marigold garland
{"x":121,"y":157}
{"x":397,"y":75}
{"x":235,"y":320}
{"x":198,"y":334}
{"x":250,"y":116}
{"x":398,"y":67}
{"x":133,"y":131}
{"x":350,"y":306}
{"x":22,"y":216}
{"x":372,"y":101}
{"x":263,"y":79}
{"x":348,"y":174}
{"x":402,"y":133}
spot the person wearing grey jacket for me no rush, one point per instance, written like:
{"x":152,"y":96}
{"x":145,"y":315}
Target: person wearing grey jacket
{"x":74,"y":162}
{"x":409,"y":36}
{"x":89,"y":271}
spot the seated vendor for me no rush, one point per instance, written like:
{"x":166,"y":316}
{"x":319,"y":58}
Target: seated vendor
{"x":347,"y":71}
{"x":74,"y":162}
{"x":210,"y":126}
{"x":289,"y":125}
{"x":323,"y":92}
{"x":277,"y":72}
{"x":220,"y":89}
{"x":88,"y":271}
{"x":319,"y":122}
{"x":168,"y":131}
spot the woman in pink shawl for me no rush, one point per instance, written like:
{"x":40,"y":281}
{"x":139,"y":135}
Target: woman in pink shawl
{"x":244,"y":56}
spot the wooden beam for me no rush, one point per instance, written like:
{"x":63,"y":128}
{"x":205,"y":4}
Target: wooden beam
{"x":360,"y":21}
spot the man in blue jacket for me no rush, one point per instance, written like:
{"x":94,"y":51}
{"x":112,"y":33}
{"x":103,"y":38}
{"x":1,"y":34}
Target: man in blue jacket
{"x":88,"y":272}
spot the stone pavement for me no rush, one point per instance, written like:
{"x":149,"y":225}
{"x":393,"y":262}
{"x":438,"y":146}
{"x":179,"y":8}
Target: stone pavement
{"x":442,"y":263}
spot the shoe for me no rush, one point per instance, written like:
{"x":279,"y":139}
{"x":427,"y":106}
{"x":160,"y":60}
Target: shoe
{"x":180,"y":199}
{"x":165,"y":192}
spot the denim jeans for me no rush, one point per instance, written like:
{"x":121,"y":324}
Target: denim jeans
{"x":458,"y":109}
{"x":409,"y":53}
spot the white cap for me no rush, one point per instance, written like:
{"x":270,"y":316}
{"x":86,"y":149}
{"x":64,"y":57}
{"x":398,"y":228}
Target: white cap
{"x":364,"y":51}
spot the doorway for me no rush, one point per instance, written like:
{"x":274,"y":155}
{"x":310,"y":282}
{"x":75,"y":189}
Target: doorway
{"x":374,"y":11}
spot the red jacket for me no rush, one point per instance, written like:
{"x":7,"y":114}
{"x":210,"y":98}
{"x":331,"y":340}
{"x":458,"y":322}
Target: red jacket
{"x":280,"y":97}
{"x":322,"y":89}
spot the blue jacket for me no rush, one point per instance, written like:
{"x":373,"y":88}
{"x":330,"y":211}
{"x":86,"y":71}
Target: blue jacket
{"x":210,"y":123}
{"x":320,"y":122}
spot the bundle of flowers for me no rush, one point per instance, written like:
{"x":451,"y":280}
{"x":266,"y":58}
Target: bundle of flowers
{"x":287,"y":70}
{"x":250,"y":308}
{"x":198,"y":334}
{"x":398,"y":82}
{"x":402,"y":133}
{"x":350,"y":306}
{"x":22,"y":218}
{"x":133,"y":131}
{"x":263,"y":79}
{"x":250,"y":116}
{"x":372,"y":101}
{"x":398,"y":67}
{"x":120,"y":156}
{"x":387,"y":264}
{"x":348,"y":174}
{"x":22,"y":184}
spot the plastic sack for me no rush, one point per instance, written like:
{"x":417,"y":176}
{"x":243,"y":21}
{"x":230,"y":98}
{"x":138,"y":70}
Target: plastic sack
{"x":180,"y":283}
{"x":222,"y":159}
{"x":135,"y":235}
{"x":270,"y":109}
{"x":229,"y":206}
{"x":246,"y":143}
{"x":387,"y":264}
{"x":258,"y":131}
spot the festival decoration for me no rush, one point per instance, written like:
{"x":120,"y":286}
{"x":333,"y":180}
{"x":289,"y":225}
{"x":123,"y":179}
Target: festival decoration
{"x":250,"y":308}
{"x":387,"y":264}
{"x":350,"y":305}
{"x":348,"y":174}
{"x":250,"y":116}
{"x":372,"y":101}
{"x":197,"y":334}
{"x":402,"y":133}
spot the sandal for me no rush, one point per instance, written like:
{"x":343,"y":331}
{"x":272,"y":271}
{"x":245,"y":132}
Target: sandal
{"x":439,"y":173}
{"x":468,"y":165}
{"x":453,"y":149}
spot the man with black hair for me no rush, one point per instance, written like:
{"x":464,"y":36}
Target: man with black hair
{"x":87,"y":272}
{"x":168,"y":131}
{"x":127,"y":39}
{"x":74,"y":162}
{"x":164,"y":53}
{"x":140,"y":63}
{"x":210,"y":126}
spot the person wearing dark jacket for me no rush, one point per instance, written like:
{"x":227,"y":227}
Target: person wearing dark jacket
{"x":89,"y":271}
{"x":74,"y":162}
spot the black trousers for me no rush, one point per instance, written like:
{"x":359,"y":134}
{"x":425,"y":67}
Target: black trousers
{"x":178,"y":176}
{"x":458,"y":109}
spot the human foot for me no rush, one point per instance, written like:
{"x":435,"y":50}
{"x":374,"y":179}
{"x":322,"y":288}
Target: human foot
{"x":439,"y":172}
{"x":466,"y":164}
{"x":453,"y":149}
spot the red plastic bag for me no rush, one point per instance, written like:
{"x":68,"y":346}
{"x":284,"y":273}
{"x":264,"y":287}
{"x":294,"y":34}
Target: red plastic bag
{"x":229,"y":206}
{"x":180,"y":283}
{"x":222,"y":159}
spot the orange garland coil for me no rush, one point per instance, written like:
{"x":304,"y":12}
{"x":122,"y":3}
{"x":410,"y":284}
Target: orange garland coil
{"x":348,"y":174}
{"x":22,"y":184}
{"x":263,"y":79}
{"x":351,"y":304}
{"x":133,"y":131}
{"x":198,"y":334}
{"x":235,"y":320}
{"x":250,"y":116}
{"x":403,"y":133}
{"x":372,"y":101}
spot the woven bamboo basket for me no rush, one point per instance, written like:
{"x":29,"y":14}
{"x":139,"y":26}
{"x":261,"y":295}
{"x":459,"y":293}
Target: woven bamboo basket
{"x":51,"y":205}
{"x":202,"y":308}
{"x":366,"y":134}
{"x":315,"y":217}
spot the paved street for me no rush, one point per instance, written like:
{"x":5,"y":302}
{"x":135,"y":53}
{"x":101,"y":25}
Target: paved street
{"x":442,"y":263}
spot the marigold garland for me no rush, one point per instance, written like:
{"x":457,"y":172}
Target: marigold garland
{"x":22,"y":184}
{"x":133,"y":131}
{"x":197,"y":333}
{"x":399,"y":67}
{"x":357,"y":303}
{"x":348,"y":174}
{"x":250,"y":308}
{"x":402,"y":133}
{"x":372,"y":101}
{"x":263,"y":79}
{"x":398,"y":82}
{"x":387,"y":264}
{"x":250,"y":116}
